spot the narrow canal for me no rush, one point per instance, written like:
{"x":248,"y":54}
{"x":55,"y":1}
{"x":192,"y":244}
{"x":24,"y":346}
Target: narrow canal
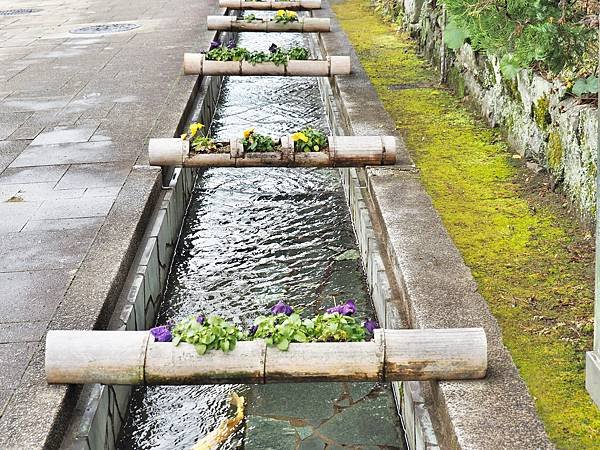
{"x":253,"y":237}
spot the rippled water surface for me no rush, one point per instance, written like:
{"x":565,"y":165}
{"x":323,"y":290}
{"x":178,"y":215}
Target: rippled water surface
{"x":251,"y":238}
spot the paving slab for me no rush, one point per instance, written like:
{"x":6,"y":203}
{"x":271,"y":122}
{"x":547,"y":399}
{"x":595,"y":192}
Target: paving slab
{"x":95,"y":175}
{"x":35,"y":174}
{"x":75,"y":114}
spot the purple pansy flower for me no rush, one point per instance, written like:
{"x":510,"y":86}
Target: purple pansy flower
{"x":253,"y":329}
{"x":347,"y":309}
{"x":161,"y":334}
{"x":231,"y":44}
{"x":370,"y":325}
{"x":282,"y":308}
{"x":273,"y":48}
{"x":200,"y":319}
{"x":214,"y":44}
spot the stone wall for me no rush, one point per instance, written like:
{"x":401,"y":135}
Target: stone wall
{"x":547,"y":126}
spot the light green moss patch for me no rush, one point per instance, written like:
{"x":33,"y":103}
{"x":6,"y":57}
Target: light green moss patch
{"x":541,"y":113}
{"x":554,"y":151}
{"x":532,"y":263}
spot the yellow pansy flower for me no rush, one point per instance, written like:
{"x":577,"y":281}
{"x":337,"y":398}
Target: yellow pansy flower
{"x":194,"y":128}
{"x":299,"y":136}
{"x":184,"y":136}
{"x":280,"y":12}
{"x":248,"y":132}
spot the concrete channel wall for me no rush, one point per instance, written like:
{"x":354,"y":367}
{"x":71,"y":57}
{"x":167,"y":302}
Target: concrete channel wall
{"x":553,"y":130}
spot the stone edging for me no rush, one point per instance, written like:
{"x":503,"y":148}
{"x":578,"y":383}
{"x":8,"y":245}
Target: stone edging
{"x":435,"y":290}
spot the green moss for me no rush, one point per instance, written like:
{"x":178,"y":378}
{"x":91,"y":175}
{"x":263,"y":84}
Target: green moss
{"x":512,"y":88}
{"x":456,"y":81}
{"x":554,"y":153}
{"x":531,"y":262}
{"x":541,"y":113}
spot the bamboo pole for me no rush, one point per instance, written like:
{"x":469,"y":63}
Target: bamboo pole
{"x":343,"y":151}
{"x":303,"y":25}
{"x":270,"y":4}
{"x":110,"y":357}
{"x":131,"y":357}
{"x":197,"y":64}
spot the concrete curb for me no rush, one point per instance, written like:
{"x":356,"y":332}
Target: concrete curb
{"x":436,"y":290}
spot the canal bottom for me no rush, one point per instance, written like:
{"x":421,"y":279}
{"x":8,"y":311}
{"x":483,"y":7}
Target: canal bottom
{"x":253,"y":237}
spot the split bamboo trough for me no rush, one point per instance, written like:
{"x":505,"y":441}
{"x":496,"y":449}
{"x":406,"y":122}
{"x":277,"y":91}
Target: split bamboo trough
{"x":270,"y":4}
{"x":237,"y":24}
{"x":197,"y":64}
{"x":343,"y":151}
{"x":132,"y":357}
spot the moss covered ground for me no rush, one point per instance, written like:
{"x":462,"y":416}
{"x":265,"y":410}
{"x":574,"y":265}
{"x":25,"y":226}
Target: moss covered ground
{"x":533,"y":262}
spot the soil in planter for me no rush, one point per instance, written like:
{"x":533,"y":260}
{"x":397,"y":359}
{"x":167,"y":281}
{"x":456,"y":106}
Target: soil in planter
{"x":253,"y":237}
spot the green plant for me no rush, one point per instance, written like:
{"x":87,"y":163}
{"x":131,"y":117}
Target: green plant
{"x":284,"y":16}
{"x":275,"y":55}
{"x":584,"y":86}
{"x":281,"y":330}
{"x":200,"y":142}
{"x":224,"y":53}
{"x":337,"y":328}
{"x":255,"y":142}
{"x":541,"y":33}
{"x":309,"y":140}
{"x":250,"y":18}
{"x":298,"y":53}
{"x":207,"y":334}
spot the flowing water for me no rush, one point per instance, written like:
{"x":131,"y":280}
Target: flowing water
{"x":251,"y":238}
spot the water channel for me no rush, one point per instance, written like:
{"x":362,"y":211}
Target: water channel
{"x":251,"y":238}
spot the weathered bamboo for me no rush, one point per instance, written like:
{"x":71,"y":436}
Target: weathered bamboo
{"x":270,"y":4}
{"x":343,"y":151}
{"x":303,"y":25}
{"x":246,"y":362}
{"x":127,"y":357}
{"x":443,"y":354}
{"x":110,"y":357}
{"x":197,"y":64}
{"x":353,"y":361}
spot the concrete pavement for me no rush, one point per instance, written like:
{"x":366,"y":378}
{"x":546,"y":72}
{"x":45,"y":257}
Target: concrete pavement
{"x":76,"y":111}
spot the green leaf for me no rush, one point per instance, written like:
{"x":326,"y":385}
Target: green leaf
{"x":585,"y":86}
{"x":225,"y":346}
{"x":283,"y":345}
{"x":508,"y":67}
{"x":348,"y":255}
{"x":454,"y":37}
{"x":200,"y":349}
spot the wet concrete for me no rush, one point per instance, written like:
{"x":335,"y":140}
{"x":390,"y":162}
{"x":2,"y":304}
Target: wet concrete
{"x":75,"y":114}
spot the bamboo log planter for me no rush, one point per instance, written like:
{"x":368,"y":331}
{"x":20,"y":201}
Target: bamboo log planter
{"x":303,"y":25}
{"x":343,"y":151}
{"x":270,"y":4}
{"x":132,"y":357}
{"x":197,"y":64}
